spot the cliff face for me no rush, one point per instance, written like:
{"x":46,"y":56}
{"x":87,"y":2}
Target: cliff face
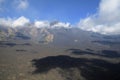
{"x":57,"y":35}
{"x":6,"y":33}
{"x":33,"y":34}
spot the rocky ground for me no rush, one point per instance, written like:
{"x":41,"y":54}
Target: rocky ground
{"x":31,"y":61}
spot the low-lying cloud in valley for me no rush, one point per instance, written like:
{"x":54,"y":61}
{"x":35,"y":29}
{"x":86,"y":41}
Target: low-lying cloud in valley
{"x":9,"y":22}
{"x":23,"y":21}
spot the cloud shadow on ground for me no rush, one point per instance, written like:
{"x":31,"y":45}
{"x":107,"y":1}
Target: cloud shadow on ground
{"x":92,"y":69}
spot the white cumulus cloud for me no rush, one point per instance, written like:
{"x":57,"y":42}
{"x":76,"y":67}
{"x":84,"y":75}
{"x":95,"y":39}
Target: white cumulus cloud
{"x":54,"y":24}
{"x":6,"y":22}
{"x":41,"y":24}
{"x":106,"y":20}
{"x":9,"y":22}
{"x":61,"y":24}
{"x":21,"y":21}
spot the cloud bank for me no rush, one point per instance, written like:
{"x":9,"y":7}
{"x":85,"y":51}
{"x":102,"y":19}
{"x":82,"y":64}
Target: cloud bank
{"x":106,"y":20}
{"x":23,"y":21}
{"x":9,"y":22}
{"x":20,"y":21}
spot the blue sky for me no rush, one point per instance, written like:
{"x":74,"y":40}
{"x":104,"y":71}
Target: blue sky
{"x":62,"y":10}
{"x":90,"y":15}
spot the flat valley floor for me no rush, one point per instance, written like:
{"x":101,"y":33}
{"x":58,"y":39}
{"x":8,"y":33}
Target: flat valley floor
{"x":31,"y":61}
